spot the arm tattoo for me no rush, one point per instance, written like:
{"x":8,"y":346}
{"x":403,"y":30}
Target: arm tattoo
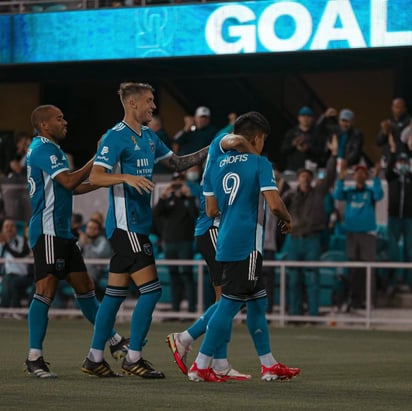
{"x":180,"y":163}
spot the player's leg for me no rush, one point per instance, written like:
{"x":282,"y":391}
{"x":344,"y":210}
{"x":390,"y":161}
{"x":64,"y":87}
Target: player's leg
{"x":37,"y":322}
{"x":115,"y":293}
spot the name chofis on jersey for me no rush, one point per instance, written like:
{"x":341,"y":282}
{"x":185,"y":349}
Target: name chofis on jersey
{"x":231,"y":159}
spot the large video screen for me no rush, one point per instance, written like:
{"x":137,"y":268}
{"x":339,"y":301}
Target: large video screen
{"x":204,"y":30}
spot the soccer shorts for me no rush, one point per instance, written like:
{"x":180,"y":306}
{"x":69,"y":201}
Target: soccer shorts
{"x":242,"y":280}
{"x":132,"y":252}
{"x":206,"y":244}
{"x":57,"y":256}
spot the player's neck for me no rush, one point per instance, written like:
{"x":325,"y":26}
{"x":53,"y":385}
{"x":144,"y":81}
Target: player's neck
{"x":133,"y":124}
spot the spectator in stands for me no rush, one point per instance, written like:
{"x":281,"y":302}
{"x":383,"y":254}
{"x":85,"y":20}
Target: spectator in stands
{"x":99,"y":217}
{"x":229,"y":126}
{"x":360,"y":226}
{"x":406,"y":138}
{"x":197,"y":133}
{"x":326,"y":125}
{"x":299,"y":145}
{"x":306,"y":206}
{"x":18,"y":163}
{"x":350,"y":139}
{"x":273,"y":242}
{"x":399,"y":177}
{"x":178,"y":211}
{"x":193,"y":177}
{"x":395,"y":124}
{"x":16,"y":278}
{"x":94,"y":244}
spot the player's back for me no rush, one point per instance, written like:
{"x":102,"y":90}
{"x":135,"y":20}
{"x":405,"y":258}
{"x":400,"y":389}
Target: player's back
{"x":237,"y":181}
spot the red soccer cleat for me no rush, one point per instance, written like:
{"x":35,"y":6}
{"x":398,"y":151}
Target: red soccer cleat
{"x":203,"y":375}
{"x":278,"y":371}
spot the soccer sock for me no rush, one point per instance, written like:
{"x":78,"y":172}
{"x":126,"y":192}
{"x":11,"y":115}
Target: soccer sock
{"x":267,"y":360}
{"x":220,"y":325}
{"x":38,"y":320}
{"x":106,"y":315}
{"x":185,"y":338}
{"x":89,"y":306}
{"x":257,"y":325}
{"x":198,"y":328}
{"x":142,"y":314}
{"x":220,"y":364}
{"x":203,"y":361}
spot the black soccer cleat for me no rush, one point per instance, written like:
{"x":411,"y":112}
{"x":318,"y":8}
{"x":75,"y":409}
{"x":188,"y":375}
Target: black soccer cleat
{"x":141,"y":368}
{"x":38,"y":368}
{"x":120,"y":349}
{"x":99,"y":369}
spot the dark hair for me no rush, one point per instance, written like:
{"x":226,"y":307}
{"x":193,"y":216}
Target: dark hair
{"x":250,"y":124}
{"x":128,"y":89}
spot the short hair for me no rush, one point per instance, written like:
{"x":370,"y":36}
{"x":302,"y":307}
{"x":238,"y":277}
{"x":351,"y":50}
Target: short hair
{"x":250,"y":124}
{"x":128,"y":89}
{"x":40,"y":114}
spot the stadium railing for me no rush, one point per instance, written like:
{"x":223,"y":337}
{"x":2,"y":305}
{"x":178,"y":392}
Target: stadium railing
{"x":368,"y":317}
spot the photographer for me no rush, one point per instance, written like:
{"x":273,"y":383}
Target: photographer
{"x":175,"y":215}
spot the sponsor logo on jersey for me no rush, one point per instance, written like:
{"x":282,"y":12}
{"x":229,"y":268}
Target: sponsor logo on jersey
{"x":142,"y":162}
{"x":53,"y":159}
{"x":104,"y":151}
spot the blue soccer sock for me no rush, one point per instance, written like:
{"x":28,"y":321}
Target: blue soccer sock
{"x":220,"y":325}
{"x":89,"y":306}
{"x":257,"y":325}
{"x":106,"y":315}
{"x":198,"y":328}
{"x":142,"y":314}
{"x":38,"y":320}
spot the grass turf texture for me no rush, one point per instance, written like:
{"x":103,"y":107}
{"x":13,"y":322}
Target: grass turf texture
{"x":341,"y":370}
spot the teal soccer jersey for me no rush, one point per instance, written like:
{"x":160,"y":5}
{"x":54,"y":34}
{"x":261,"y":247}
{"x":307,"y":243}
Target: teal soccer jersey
{"x":237,"y":182}
{"x":123,"y":151}
{"x":203,"y":222}
{"x":51,"y":203}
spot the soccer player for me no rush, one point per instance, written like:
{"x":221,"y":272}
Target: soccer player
{"x":124,"y":162}
{"x":236,"y":188}
{"x":56,"y":255}
{"x":206,"y":232}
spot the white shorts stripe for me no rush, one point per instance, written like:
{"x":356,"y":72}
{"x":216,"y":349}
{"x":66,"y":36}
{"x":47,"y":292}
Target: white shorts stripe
{"x":134,"y":242}
{"x":213,"y":237}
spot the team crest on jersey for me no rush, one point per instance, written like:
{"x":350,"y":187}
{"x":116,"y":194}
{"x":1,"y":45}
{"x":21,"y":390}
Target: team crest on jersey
{"x":147,"y":248}
{"x":53,"y":159}
{"x":136,"y":146}
{"x":60,"y":264}
{"x":152,"y":146}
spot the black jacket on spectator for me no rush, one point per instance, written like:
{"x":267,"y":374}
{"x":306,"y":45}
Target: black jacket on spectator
{"x":353,"y":147}
{"x":399,"y":189}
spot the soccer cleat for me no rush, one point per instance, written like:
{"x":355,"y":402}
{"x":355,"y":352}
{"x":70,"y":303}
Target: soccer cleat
{"x":203,"y":375}
{"x":278,"y":371}
{"x":120,"y":349}
{"x":232,"y":374}
{"x":99,"y":369}
{"x":39,"y":368}
{"x":141,"y":368}
{"x":179,"y":351}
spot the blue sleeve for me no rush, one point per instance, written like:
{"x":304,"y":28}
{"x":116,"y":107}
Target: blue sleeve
{"x":377,"y":189}
{"x":267,"y":178}
{"x":339,"y":193}
{"x":109,"y":151}
{"x":50,"y":159}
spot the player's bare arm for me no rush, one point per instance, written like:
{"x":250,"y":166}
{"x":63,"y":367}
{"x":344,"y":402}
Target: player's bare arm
{"x":212,"y":210}
{"x":101,"y":178}
{"x":238,"y":143}
{"x":278,"y":208}
{"x":84,"y":188}
{"x":181,"y":163}
{"x":71,"y":179}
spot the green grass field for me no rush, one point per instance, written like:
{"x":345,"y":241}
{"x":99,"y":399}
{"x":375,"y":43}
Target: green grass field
{"x":341,"y":370}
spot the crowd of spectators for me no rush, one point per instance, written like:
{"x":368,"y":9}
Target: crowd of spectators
{"x":327,"y":181}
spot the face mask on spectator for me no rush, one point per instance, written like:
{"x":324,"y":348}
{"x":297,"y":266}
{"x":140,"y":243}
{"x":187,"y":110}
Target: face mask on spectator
{"x":402,"y":168}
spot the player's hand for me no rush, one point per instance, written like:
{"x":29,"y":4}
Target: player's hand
{"x":285,"y":226}
{"x":140,"y":183}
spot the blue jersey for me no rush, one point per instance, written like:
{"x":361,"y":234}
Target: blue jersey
{"x":51,"y":203}
{"x":237,"y":181}
{"x":203,"y":222}
{"x":123,"y":151}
